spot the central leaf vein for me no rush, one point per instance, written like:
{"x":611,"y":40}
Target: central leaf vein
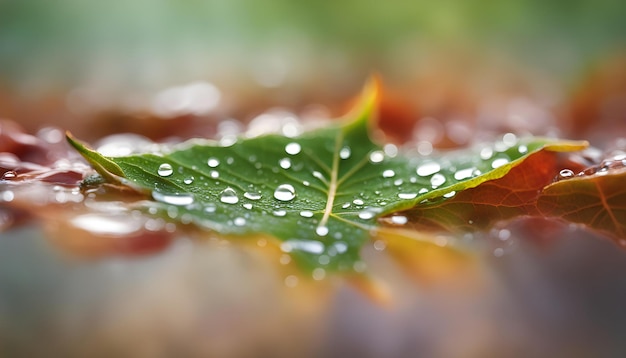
{"x":332,"y":186}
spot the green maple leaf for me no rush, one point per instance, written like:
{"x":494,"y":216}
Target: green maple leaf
{"x":320,"y":193}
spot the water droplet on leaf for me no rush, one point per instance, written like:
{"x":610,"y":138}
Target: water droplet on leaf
{"x":293,"y":148}
{"x":389,"y":173}
{"x":285,"y":192}
{"x":279,"y":213}
{"x":229,"y":196}
{"x":464,"y":173}
{"x":449,"y":195}
{"x":565,"y":174}
{"x":285,"y":163}
{"x":165,"y":170}
{"x":377,"y":156}
{"x":345,"y":152}
{"x":437,"y":180}
{"x":213,"y":162}
{"x":427,"y":169}
{"x":321,"y":230}
{"x":9,"y":175}
{"x":399,"y":219}
{"x":252,"y":196}
{"x":497,"y":163}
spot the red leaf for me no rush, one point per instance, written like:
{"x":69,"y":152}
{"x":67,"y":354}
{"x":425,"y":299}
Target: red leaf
{"x":513,"y":195}
{"x":597,"y":201}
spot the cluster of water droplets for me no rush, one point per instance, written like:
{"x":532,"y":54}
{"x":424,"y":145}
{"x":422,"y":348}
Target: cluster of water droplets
{"x":615,"y":162}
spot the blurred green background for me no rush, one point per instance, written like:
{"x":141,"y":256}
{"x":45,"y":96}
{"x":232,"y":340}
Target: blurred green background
{"x":155,"y":42}
{"x":554,"y":64}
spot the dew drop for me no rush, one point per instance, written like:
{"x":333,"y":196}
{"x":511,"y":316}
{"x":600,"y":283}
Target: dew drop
{"x":437,"y":180}
{"x":368,"y":213}
{"x":239,"y":221}
{"x":407,"y":195}
{"x":252,"y":196}
{"x":357,"y":202}
{"x":285,"y":163}
{"x":214,"y":174}
{"x":389,"y":173}
{"x":306,"y":214}
{"x":188,"y":180}
{"x":565,"y":174}
{"x":497,"y":163}
{"x":318,"y":175}
{"x":346,"y":205}
{"x":464,"y":173}
{"x":213,"y":162}
{"x":209,"y":208}
{"x":293,"y":148}
{"x":285,"y":192}
{"x":247,"y":206}
{"x":9,"y":175}
{"x":173,"y":199}
{"x":522,"y":149}
{"x":229,"y":196}
{"x":165,"y":170}
{"x":377,"y":156}
{"x":397,"y":182}
{"x":427,"y":169}
{"x":279,"y":213}
{"x":345,"y":153}
{"x":321,"y":230}
{"x":365,"y":215}
{"x":399,"y":219}
{"x":449,"y":195}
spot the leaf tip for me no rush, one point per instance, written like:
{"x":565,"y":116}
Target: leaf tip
{"x":106,"y":167}
{"x":364,"y":112}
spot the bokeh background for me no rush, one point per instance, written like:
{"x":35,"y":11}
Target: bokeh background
{"x":65,"y":61}
{"x":454,"y":72}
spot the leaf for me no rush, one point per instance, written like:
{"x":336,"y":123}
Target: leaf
{"x":597,"y":201}
{"x":513,"y":195}
{"x":320,"y":193}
